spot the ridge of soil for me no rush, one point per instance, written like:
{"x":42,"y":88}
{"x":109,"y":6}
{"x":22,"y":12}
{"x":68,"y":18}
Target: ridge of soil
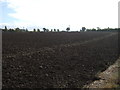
{"x":108,"y":78}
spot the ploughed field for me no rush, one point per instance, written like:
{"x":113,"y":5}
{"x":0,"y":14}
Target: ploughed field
{"x":56,"y":60}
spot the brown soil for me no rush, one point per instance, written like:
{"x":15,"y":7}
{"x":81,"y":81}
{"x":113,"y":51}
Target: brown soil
{"x":56,"y":60}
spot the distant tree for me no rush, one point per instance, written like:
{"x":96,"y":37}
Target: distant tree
{"x":98,"y":28}
{"x":51,"y":30}
{"x":38,"y":30}
{"x":93,"y":29}
{"x":17,"y":30}
{"x":6,"y":28}
{"x":54,"y":30}
{"x":47,"y":30}
{"x":68,"y":29}
{"x":108,"y":29}
{"x":57,"y":30}
{"x":26,"y":30}
{"x":34,"y":30}
{"x":88,"y":29}
{"x":105,"y":29}
{"x":23,"y":30}
{"x":44,"y":29}
{"x":11,"y":30}
{"x":83,"y":29}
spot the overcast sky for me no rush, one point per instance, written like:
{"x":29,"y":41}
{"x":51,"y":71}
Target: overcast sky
{"x":59,"y":14}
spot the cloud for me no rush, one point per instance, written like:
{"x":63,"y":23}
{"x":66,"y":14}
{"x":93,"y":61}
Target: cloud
{"x":89,"y":13}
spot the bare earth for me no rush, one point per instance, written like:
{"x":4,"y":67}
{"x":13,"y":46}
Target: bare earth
{"x":59,"y":60}
{"x":108,"y":78}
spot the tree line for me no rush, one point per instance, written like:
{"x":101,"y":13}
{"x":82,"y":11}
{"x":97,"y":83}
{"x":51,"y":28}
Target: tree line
{"x":57,"y":30}
{"x":34,"y":30}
